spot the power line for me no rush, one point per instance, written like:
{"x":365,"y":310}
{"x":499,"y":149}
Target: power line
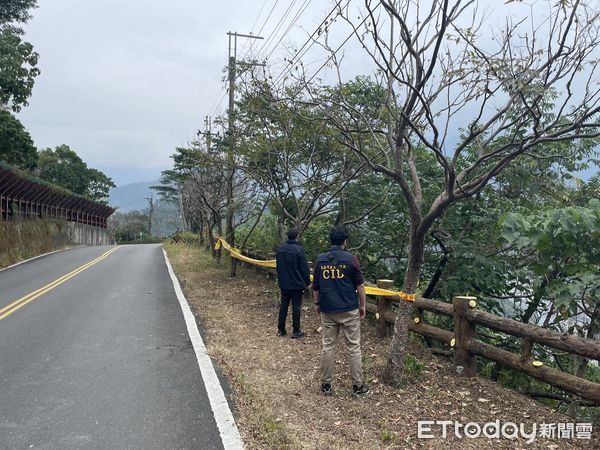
{"x":299,"y":13}
{"x":262,"y":28}
{"x":340,"y":47}
{"x":218,"y":103}
{"x":254,"y":25}
{"x":277,"y":27}
{"x":219,"y":100}
{"x":300,"y":53}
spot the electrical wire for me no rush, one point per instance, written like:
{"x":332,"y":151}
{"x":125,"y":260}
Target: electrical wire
{"x":261,"y":28}
{"x":267,"y":41}
{"x":219,"y":101}
{"x":303,"y":50}
{"x":254,"y":25}
{"x":299,"y":13}
{"x":340,"y":47}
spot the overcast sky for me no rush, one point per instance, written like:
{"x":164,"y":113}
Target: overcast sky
{"x":125,"y":82}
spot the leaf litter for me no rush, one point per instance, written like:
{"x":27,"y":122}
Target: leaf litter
{"x":275,"y":380}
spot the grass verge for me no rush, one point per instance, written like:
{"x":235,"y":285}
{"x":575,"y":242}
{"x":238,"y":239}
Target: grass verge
{"x":275,"y":380}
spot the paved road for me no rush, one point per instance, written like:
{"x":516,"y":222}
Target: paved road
{"x":103,"y":360}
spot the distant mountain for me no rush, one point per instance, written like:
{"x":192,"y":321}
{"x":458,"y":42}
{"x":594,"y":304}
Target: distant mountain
{"x":132,"y":196}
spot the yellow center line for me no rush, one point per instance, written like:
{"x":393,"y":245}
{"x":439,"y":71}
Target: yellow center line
{"x":19,"y":303}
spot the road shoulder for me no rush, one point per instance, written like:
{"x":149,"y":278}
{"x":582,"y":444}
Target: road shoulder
{"x":223,"y":416}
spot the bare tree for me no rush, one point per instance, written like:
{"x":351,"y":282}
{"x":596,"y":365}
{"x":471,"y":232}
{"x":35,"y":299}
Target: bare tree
{"x":205,"y":181}
{"x":475,"y":96}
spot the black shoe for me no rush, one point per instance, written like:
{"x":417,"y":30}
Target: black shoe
{"x":361,"y":390}
{"x":297,"y":334}
{"x":326,"y":389}
{"x":281,"y":333}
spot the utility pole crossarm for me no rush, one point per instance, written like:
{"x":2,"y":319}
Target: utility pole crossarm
{"x":250,"y":36}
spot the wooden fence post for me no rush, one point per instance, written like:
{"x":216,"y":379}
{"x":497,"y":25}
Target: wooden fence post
{"x":526,"y":349}
{"x":383,"y":305}
{"x":271,"y":273}
{"x":464,"y":331}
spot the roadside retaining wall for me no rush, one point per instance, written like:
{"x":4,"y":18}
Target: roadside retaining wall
{"x":82,"y":234}
{"x":21,"y":240}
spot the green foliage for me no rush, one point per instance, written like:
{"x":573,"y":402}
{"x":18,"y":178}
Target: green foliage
{"x":564,"y":243}
{"x":389,"y":437}
{"x":16,"y":145}
{"x":16,"y":11}
{"x":130,"y":227}
{"x":378,"y":238}
{"x":62,"y":166}
{"x":294,"y":156}
{"x":264,"y":238}
{"x":412,"y":368}
{"x":168,"y":189}
{"x":18,"y":60}
{"x":99,"y":185}
{"x":315,"y":238}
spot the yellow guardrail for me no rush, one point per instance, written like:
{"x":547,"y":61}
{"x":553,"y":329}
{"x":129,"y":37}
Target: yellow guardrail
{"x":271,"y":263}
{"x":237,"y":254}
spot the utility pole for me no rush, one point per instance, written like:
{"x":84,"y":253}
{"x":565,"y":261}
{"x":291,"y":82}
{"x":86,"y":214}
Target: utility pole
{"x":208,"y":128}
{"x":232,"y":74}
{"x":207,"y":133}
{"x":151,"y":204}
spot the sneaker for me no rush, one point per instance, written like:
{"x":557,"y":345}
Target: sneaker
{"x":361,"y":390}
{"x":297,"y":334}
{"x":326,"y":389}
{"x":281,"y":333}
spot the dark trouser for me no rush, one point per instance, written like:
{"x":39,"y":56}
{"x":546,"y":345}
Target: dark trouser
{"x":296,"y":298}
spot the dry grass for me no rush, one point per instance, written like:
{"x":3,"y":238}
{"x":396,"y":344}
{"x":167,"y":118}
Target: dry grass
{"x":276,"y":386}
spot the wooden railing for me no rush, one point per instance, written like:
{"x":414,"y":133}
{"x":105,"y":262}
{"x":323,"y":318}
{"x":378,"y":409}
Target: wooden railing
{"x":466,"y":347}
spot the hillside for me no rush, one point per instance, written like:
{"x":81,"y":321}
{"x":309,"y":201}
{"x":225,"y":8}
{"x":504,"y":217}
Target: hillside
{"x":132,"y":196}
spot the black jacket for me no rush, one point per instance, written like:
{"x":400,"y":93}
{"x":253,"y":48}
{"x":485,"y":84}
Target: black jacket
{"x":336,"y":279}
{"x":292,"y":266}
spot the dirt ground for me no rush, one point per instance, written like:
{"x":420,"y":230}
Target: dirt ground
{"x":275,"y":380}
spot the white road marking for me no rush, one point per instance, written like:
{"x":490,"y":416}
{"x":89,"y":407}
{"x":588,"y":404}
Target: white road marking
{"x":230,"y":435}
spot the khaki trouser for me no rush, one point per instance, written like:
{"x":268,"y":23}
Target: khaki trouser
{"x":349,"y":324}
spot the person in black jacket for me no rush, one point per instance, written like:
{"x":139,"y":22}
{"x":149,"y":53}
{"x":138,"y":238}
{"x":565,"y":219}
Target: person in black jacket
{"x":293,"y":276}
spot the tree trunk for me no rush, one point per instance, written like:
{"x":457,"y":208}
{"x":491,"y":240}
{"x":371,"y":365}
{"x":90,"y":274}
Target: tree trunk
{"x":592,"y":331}
{"x":211,"y":240}
{"x":438,"y":273}
{"x":537,"y":298}
{"x":394,"y":370}
{"x":201,"y":232}
{"x":182,"y":213}
{"x":281,"y":229}
{"x":230,"y":233}
{"x":220,"y":231}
